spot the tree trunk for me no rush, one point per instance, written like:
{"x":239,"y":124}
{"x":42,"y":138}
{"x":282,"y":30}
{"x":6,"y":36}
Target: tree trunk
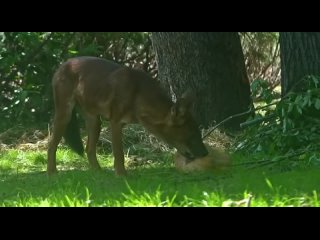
{"x":300,"y":56}
{"x":212,"y":65}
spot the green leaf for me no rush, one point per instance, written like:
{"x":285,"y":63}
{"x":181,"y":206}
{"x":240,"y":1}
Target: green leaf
{"x":306,"y":99}
{"x":73,"y":51}
{"x":290,"y":107}
{"x":298,"y":99}
{"x":268,"y":182}
{"x":299,"y":109}
{"x":317,"y":104}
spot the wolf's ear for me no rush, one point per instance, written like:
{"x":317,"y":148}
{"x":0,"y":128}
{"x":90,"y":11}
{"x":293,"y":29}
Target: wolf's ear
{"x":183,"y":104}
{"x":189,"y":98}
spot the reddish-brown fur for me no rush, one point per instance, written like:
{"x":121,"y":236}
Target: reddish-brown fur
{"x":122,"y":95}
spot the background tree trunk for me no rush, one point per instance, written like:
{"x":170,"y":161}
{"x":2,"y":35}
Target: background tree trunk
{"x":300,"y":56}
{"x":212,"y":65}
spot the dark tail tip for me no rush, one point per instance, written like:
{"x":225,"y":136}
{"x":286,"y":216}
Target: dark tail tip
{"x":72,"y":135}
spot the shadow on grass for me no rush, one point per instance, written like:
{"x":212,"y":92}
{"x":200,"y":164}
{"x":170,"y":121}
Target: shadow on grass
{"x":105,"y":189}
{"x":104,"y":186}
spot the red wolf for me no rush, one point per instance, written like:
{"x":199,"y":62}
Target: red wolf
{"x":102,"y":88}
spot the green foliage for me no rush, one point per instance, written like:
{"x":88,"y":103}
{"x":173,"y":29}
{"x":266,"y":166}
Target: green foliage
{"x":260,"y":89}
{"x":301,"y":108}
{"x":262,"y":56}
{"x":288,"y":134}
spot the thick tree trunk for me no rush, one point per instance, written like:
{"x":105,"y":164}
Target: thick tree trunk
{"x":300,"y":56}
{"x":212,"y":66}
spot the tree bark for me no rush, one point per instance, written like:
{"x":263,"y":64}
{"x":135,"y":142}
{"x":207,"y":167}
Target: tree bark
{"x":211,"y":64}
{"x":300,"y":56}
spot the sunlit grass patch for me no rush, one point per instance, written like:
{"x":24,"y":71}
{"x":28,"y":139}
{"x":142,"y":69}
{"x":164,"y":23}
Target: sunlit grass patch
{"x":152,"y":181}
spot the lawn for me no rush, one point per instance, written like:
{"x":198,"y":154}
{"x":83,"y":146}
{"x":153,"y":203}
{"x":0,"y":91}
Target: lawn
{"x":152,"y":181}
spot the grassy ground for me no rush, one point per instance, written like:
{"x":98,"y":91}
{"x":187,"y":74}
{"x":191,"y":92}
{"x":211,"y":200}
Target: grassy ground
{"x":152,"y":181}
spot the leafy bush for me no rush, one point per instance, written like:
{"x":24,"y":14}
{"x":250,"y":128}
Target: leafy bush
{"x":289,"y":132}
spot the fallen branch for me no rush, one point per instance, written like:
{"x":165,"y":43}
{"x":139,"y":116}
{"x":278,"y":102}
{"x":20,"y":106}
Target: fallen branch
{"x":237,"y":115}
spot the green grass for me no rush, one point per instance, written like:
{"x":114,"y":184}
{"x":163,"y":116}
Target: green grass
{"x":151,"y":182}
